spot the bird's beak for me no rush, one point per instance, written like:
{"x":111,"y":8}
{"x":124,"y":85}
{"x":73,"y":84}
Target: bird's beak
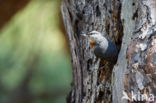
{"x":84,"y":35}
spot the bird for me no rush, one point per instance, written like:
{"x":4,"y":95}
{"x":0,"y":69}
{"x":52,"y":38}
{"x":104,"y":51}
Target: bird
{"x":103,"y":48}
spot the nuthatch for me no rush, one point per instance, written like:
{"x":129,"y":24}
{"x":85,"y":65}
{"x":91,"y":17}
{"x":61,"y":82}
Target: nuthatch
{"x":103,"y":47}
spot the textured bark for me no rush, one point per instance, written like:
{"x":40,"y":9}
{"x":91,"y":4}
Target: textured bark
{"x":140,"y":75}
{"x":130,"y":19}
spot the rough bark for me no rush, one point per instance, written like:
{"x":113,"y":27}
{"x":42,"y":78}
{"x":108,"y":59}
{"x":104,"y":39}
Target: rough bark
{"x":140,"y":75}
{"x":135,"y":68}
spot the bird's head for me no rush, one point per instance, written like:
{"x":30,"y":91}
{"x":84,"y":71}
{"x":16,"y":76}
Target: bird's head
{"x":93,"y":37}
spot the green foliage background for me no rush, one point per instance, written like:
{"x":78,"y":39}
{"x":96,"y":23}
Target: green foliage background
{"x":32,"y":42}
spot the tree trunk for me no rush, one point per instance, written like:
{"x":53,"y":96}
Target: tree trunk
{"x":130,"y":24}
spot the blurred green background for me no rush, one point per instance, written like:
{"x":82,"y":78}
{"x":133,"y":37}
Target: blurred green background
{"x":34,"y":60}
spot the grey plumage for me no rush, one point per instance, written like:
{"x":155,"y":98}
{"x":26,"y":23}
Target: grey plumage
{"x":106,"y":50}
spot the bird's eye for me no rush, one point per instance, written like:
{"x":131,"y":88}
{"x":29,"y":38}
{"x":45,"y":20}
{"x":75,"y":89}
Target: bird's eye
{"x":90,"y":33}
